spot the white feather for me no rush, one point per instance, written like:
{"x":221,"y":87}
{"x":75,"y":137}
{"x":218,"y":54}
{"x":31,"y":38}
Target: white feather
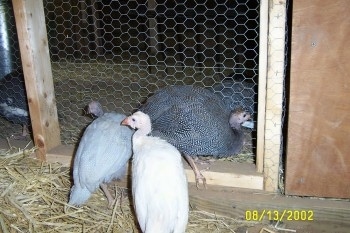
{"x":159,"y":185}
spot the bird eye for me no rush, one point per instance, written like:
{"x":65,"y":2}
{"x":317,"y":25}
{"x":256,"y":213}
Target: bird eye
{"x":133,"y":119}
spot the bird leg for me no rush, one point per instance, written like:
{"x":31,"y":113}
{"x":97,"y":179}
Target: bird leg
{"x":198,"y":175}
{"x":108,"y":195}
{"x":22,"y":136}
{"x":25,"y":131}
{"x":203,"y":161}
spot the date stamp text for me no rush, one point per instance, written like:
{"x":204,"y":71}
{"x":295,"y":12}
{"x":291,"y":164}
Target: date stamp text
{"x":279,"y":215}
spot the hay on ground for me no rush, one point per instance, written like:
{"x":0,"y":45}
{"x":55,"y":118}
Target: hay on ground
{"x":34,"y":195}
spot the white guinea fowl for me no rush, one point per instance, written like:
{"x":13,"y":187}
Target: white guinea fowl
{"x":102,"y":155}
{"x":159,"y":184}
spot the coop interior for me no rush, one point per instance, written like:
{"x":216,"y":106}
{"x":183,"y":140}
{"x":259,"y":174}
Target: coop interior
{"x":121,"y":52}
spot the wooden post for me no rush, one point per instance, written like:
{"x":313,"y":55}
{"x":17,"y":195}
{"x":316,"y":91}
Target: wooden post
{"x":274,"y":93}
{"x":32,"y":36}
{"x":264,"y":14}
{"x":153,"y":30}
{"x":97,"y":28}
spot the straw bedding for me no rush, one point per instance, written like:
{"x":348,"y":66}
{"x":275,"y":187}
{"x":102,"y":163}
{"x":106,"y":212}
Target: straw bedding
{"x":34,"y":194}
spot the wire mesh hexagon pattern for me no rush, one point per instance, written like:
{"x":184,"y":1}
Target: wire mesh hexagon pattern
{"x":121,"y":52}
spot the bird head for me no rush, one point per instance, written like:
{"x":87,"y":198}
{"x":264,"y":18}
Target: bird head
{"x":237,"y":117}
{"x":140,"y":121}
{"x":94,"y":108}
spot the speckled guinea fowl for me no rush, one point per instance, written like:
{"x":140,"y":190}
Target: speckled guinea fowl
{"x":103,"y":153}
{"x":197,"y":122}
{"x":13,"y":101}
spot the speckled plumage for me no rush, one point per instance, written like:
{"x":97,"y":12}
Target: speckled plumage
{"x":13,"y":99}
{"x":102,"y":155}
{"x":195,"y":120}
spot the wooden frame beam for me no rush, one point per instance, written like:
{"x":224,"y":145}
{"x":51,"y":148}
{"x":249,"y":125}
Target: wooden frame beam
{"x":32,"y":36}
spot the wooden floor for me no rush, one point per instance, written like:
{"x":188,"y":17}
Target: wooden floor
{"x":216,"y":172}
{"x":242,"y":203}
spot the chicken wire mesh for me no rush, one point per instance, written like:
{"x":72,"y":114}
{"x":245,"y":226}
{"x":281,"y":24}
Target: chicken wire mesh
{"x":120,"y":52}
{"x":13,"y":101}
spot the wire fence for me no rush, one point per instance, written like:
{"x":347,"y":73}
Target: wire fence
{"x":12,"y":94}
{"x":120,"y":52}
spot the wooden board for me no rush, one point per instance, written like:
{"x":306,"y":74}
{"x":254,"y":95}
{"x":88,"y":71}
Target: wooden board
{"x":216,"y":172}
{"x":263,"y":38}
{"x":326,"y":215}
{"x":32,"y":37}
{"x":318,"y":161}
{"x":236,"y":202}
{"x":272,"y":124}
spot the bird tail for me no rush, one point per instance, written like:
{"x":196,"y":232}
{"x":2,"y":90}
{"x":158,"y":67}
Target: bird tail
{"x":78,"y":195}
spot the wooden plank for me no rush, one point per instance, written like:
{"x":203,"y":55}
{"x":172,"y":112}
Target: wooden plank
{"x":217,"y":172}
{"x":229,"y":174}
{"x":234,"y":202}
{"x":274,"y":93}
{"x":32,"y":36}
{"x":153,"y":29}
{"x":263,"y":32}
{"x":318,"y":161}
{"x":62,"y":154}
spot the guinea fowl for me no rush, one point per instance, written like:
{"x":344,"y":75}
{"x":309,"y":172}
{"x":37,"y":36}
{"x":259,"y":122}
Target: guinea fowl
{"x":102,"y":155}
{"x":159,"y":184}
{"x":13,"y":101}
{"x":197,"y":122}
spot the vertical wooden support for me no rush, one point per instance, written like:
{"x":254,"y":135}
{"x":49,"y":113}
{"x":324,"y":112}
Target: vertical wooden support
{"x":264,"y":14}
{"x":32,"y":36}
{"x":97,"y":27}
{"x":274,"y":92}
{"x":153,"y":30}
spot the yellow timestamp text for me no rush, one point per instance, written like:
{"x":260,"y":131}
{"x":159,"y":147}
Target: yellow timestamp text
{"x":279,"y":215}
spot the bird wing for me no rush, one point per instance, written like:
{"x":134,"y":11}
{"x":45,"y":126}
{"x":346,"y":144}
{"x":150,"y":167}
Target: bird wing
{"x":193,"y":119}
{"x":190,"y":127}
{"x":103,"y":152}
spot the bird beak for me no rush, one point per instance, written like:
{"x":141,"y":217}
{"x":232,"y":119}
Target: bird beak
{"x":125,"y":121}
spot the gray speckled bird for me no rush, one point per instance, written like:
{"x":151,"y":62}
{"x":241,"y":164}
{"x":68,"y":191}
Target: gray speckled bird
{"x":102,"y":155}
{"x":13,"y":101}
{"x":197,"y":122}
